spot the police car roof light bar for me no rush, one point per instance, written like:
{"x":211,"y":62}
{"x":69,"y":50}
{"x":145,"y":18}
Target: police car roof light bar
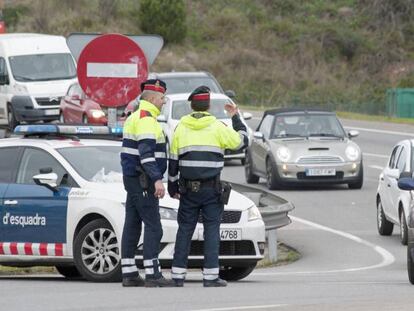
{"x":65,"y":129}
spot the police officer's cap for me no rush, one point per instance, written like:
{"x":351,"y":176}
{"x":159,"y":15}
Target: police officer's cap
{"x":200,"y":98}
{"x":155,"y":85}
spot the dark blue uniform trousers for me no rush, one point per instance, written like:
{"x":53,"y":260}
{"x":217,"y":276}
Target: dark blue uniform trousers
{"x":207,"y":201}
{"x":140,"y":208}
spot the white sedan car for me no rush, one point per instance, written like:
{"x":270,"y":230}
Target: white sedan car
{"x":62,"y":204}
{"x":393,"y":204}
{"x":178,"y":106}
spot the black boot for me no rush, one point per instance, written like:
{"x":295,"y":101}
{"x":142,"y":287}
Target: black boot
{"x":159,"y":282}
{"x":215,"y":283}
{"x":179,"y":282}
{"x":132,"y":281}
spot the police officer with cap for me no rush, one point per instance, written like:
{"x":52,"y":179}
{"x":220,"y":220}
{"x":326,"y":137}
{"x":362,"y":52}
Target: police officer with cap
{"x":144,"y":162}
{"x":195,"y":162}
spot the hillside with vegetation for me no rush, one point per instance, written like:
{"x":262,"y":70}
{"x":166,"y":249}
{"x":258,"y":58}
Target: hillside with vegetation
{"x":342,"y":54}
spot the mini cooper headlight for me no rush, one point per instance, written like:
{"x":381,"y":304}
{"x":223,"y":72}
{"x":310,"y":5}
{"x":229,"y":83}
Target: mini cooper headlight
{"x":168,"y":213}
{"x":253,"y":213}
{"x":352,"y":153}
{"x":283,"y":154}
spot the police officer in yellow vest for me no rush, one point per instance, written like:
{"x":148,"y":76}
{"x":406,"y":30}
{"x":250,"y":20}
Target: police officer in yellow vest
{"x":144,"y":162}
{"x":195,"y":162}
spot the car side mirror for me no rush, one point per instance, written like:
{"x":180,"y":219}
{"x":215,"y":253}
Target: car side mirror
{"x":258,"y":135}
{"x":406,"y":175}
{"x":75,"y":97}
{"x":353,"y":133}
{"x":247,"y":115}
{"x":162,"y":118}
{"x":406,"y":183}
{"x":4,"y":79}
{"x":230,"y":93}
{"x":48,"y":180}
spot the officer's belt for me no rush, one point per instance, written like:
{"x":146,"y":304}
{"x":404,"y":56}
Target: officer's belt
{"x":195,"y":185}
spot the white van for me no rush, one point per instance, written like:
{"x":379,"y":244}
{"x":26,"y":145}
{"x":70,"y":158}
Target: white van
{"x":36,"y":70}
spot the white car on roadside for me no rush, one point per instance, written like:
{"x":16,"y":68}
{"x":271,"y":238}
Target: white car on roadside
{"x":62,"y":204}
{"x":393,"y":204}
{"x":178,"y":106}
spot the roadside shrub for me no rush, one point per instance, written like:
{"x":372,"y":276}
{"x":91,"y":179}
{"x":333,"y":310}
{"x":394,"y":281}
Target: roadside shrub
{"x":166,"y":18}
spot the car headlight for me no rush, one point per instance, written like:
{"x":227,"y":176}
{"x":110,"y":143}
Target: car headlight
{"x":21,"y":89}
{"x":253,"y":213}
{"x":96,"y":114}
{"x":352,"y":153}
{"x":168,"y":213}
{"x":283,"y":154}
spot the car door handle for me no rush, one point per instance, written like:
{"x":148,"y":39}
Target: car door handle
{"x":382,"y":178}
{"x":388,"y":185}
{"x":11,"y":202}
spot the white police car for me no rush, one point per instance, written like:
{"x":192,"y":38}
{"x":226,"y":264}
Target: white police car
{"x":62,"y":204}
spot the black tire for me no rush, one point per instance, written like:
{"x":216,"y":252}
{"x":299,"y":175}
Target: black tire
{"x":384,"y":226}
{"x":91,"y":258}
{"x":11,"y":118}
{"x":69,"y":272}
{"x":235,"y":273}
{"x":403,"y":228}
{"x":358,"y":184}
{"x":272,"y":175}
{"x":250,"y":177}
{"x":410,"y":263}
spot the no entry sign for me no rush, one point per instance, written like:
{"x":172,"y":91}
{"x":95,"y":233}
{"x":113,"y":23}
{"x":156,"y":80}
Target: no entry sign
{"x":111,"y":68}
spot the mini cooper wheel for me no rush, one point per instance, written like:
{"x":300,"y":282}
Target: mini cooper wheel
{"x":96,"y":252}
{"x":403,"y":229}
{"x":384,"y":226}
{"x":272,"y":175}
{"x":250,"y":177}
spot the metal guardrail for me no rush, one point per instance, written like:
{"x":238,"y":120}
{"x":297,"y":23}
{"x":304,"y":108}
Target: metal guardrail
{"x":273,"y":208}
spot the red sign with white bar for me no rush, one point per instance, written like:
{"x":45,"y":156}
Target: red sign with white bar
{"x":111,"y":69}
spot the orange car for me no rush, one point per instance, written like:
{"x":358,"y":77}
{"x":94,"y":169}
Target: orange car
{"x":76,"y":108}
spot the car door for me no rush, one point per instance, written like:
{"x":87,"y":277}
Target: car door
{"x":259,"y":147}
{"x":72,"y":101}
{"x":390,"y":176}
{"x":395,"y":192}
{"x":8,"y":166}
{"x":34,"y":218}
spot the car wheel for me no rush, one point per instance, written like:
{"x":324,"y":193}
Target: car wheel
{"x":11,"y":118}
{"x":384,"y":226}
{"x":96,"y":252}
{"x":403,"y":229}
{"x":410,"y":263}
{"x":236,"y":273}
{"x":69,"y":272}
{"x":358,"y":184}
{"x":248,"y":170}
{"x":272,"y":176}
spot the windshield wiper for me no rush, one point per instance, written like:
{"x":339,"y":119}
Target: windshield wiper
{"x":290,"y":136}
{"x":326,"y":135}
{"x":21,"y":78}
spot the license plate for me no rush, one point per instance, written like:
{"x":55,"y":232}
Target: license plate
{"x":225,"y":234}
{"x":320,"y":172}
{"x":51,"y":112}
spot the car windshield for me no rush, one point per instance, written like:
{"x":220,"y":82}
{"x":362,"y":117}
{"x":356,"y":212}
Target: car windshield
{"x":307,"y":125}
{"x":105,"y":166}
{"x":181,"y":108}
{"x":176,"y":85}
{"x":42,"y":67}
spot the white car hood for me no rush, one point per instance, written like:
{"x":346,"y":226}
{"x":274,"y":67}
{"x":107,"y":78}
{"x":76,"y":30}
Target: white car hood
{"x":48,"y":88}
{"x":116,"y":192}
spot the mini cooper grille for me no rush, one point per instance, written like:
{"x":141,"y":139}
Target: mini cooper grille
{"x":228,"y":217}
{"x":227,"y":248}
{"x":320,"y":160}
{"x":48,"y":101}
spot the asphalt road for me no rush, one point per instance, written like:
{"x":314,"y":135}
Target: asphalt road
{"x":345,"y":264}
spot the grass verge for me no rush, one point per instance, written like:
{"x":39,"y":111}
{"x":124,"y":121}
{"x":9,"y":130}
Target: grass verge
{"x":285,"y":255}
{"x":4,"y":270}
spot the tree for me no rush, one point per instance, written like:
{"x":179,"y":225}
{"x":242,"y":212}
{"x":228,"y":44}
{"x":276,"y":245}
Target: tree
{"x":164,"y":17}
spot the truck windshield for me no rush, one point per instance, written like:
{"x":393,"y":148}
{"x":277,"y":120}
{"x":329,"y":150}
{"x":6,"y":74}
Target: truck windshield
{"x":42,"y":67}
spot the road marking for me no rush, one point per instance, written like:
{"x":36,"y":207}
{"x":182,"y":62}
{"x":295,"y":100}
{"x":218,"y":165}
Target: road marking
{"x":377,"y":167}
{"x":387,"y":257}
{"x":375,"y":155}
{"x":243,"y":308}
{"x":379,"y":131}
